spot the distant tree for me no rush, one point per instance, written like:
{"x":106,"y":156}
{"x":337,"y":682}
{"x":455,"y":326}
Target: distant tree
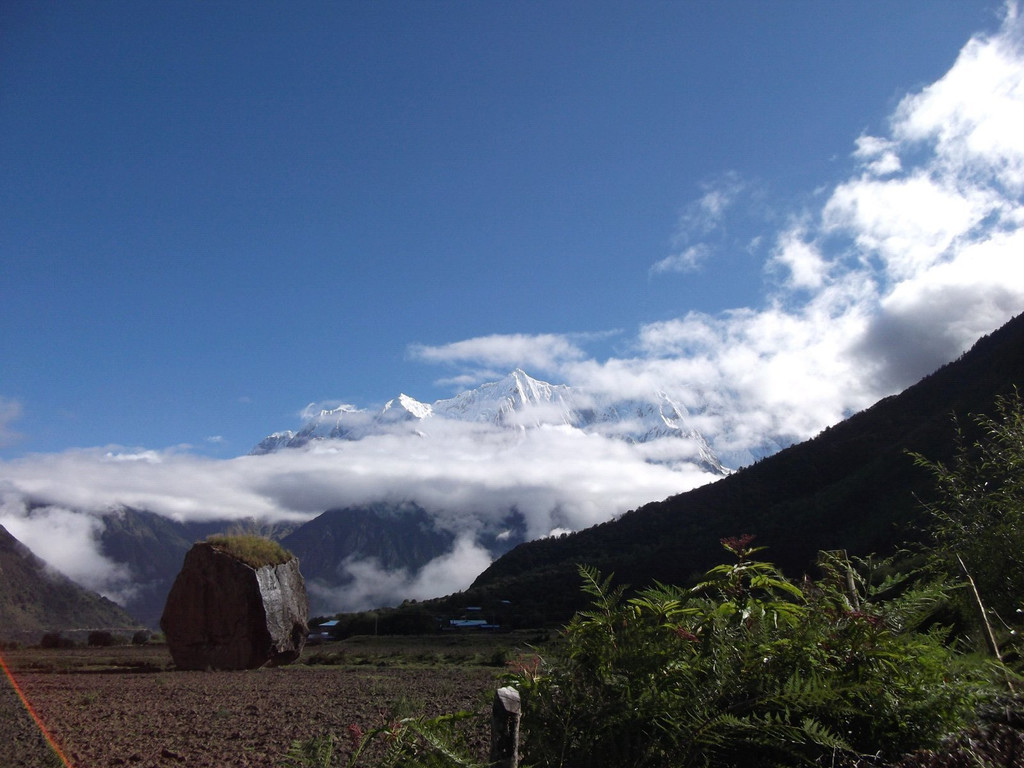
{"x":56,"y":640}
{"x":101,"y":638}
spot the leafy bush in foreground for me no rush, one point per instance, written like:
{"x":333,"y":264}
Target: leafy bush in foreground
{"x":746,"y":669}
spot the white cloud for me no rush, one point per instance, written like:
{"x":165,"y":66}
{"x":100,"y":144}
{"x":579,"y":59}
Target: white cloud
{"x":373,"y":586}
{"x":150,"y":457}
{"x":753,"y":380}
{"x":974,"y":114}
{"x":707,"y":212}
{"x":804,"y":262}
{"x":467,"y":476}
{"x":702,"y":221}
{"x":532,"y":352}
{"x":688,"y":260}
{"x":878,"y":155}
{"x":909,"y":223}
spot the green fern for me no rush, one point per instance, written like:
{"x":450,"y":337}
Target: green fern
{"x":315,"y":752}
{"x":746,"y":669}
{"x":418,"y":742}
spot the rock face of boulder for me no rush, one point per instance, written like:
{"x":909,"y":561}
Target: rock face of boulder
{"x":222,"y":613}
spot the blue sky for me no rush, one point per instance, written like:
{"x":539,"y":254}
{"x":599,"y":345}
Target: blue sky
{"x":215,"y":214}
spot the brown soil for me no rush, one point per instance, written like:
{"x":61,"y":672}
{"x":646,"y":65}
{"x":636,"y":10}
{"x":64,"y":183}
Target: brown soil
{"x":128,"y":706}
{"x":23,"y":743}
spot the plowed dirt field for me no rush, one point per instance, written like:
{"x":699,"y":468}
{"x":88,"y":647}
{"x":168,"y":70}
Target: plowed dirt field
{"x":128,"y":706}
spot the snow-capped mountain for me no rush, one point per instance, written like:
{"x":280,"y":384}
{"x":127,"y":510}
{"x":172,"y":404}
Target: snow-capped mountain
{"x":516,"y":402}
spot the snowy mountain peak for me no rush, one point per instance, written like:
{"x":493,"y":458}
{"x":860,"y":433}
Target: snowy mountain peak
{"x":404,"y":408}
{"x":519,"y":401}
{"x":516,"y":400}
{"x":273,"y":441}
{"x":343,"y":408}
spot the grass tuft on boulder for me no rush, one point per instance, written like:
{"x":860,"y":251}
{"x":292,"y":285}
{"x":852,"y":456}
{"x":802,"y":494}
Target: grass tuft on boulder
{"x":255,"y":551}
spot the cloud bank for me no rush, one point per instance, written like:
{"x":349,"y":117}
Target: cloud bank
{"x":467,"y":476}
{"x":893,"y":270}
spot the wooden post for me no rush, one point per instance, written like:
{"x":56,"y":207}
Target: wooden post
{"x":505,"y":716}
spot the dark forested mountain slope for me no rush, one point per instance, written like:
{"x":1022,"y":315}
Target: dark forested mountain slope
{"x":852,"y":487}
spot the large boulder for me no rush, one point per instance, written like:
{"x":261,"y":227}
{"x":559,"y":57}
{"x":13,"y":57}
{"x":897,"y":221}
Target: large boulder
{"x":223,"y":613}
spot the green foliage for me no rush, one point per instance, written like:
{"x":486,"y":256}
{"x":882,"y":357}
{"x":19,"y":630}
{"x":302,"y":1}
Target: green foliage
{"x":996,"y":741}
{"x":396,"y":742}
{"x":978,"y":515}
{"x":414,"y":742}
{"x":315,"y":752}
{"x":253,"y":550}
{"x":745,"y":669}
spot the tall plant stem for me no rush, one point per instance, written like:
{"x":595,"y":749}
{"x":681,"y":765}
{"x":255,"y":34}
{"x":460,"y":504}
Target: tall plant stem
{"x":990,"y":638}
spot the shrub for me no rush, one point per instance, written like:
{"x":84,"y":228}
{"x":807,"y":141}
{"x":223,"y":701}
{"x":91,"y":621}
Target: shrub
{"x":255,"y":551}
{"x":101,"y":638}
{"x":414,"y":742}
{"x":56,"y":640}
{"x":746,"y":669}
{"x":141,"y":637}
